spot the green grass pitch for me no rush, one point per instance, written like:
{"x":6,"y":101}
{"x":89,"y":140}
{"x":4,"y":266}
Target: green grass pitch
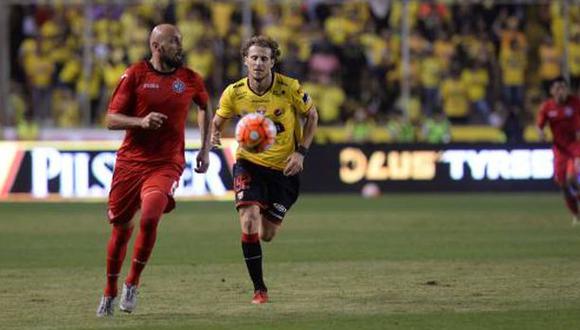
{"x":412,"y":261}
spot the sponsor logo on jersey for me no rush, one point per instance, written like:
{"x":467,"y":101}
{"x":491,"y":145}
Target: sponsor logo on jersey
{"x":178,"y":86}
{"x":260,"y":101}
{"x":568,"y":112}
{"x":150,"y":86}
{"x":552,"y":113}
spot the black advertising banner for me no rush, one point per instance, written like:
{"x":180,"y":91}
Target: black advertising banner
{"x":56,"y":170}
{"x":428,"y":168}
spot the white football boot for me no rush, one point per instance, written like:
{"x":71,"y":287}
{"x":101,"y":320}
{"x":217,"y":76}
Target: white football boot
{"x":128,"y":298}
{"x":106,"y":307}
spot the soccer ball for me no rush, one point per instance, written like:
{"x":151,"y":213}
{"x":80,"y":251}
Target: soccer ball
{"x":255,"y":132}
{"x":371,"y":190}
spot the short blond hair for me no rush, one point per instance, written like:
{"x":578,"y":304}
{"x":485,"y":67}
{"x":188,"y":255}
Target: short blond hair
{"x":261,"y":41}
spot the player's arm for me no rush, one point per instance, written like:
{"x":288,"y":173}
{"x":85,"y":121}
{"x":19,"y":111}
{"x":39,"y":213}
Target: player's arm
{"x":217,"y":127}
{"x":540,"y":123}
{"x":118,"y":121}
{"x":295,"y":163}
{"x":203,"y":120}
{"x":223,"y":113}
{"x":310,"y":127}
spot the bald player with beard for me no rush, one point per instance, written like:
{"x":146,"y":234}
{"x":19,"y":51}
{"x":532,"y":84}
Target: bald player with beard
{"x":150,"y":103}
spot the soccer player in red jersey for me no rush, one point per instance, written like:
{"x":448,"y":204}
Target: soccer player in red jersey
{"x":562,"y":114}
{"x":150,"y":103}
{"x":266,"y":184}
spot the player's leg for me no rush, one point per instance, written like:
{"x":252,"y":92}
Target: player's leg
{"x":561,"y":166}
{"x":571,"y":187}
{"x":156,"y":195}
{"x":282,"y":194}
{"x":268,"y":227}
{"x":249,"y":191}
{"x":250,"y":223}
{"x":122,"y":205}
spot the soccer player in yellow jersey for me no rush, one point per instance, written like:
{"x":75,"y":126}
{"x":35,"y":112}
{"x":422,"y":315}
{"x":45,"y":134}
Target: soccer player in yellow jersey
{"x":266,"y":184}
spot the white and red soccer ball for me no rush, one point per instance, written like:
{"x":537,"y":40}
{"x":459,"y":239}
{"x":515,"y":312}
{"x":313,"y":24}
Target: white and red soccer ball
{"x":255,"y":132}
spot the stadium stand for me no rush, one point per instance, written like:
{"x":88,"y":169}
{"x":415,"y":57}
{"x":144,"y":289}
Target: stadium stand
{"x":482,"y":64}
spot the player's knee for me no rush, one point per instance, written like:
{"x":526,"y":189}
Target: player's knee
{"x":267,"y":236}
{"x":149,"y":223}
{"x":249,"y":218}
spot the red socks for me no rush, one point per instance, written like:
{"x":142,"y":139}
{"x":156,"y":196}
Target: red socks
{"x":116,"y":250}
{"x":152,"y":207}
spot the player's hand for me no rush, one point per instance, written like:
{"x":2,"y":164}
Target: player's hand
{"x":216,"y":137}
{"x":294,"y":164}
{"x":153,"y":120}
{"x":202,"y":161}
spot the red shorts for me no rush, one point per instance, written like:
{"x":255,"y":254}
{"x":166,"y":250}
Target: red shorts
{"x":563,"y":167}
{"x":131,"y":183}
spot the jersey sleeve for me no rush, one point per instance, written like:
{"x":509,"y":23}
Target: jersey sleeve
{"x":301,"y":100}
{"x":123,"y":97}
{"x":541,"y":120}
{"x":226,"y":106}
{"x":201,"y":97}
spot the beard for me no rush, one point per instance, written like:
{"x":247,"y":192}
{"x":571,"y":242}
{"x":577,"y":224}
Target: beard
{"x":174,"y":62}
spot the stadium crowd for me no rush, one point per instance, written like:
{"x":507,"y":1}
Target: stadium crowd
{"x":471,"y":62}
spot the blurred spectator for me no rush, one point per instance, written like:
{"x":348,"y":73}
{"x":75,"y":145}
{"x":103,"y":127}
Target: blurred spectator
{"x":436,"y":128}
{"x":201,"y":58}
{"x":360,"y":127}
{"x":292,"y":63}
{"x":329,"y":98}
{"x":444,"y":49}
{"x":455,"y":98}
{"x":400,"y":128}
{"x":476,"y":78}
{"x":353,"y":64}
{"x":431,"y":72}
{"x":39,"y":69}
{"x":574,"y":62}
{"x":550,"y":63}
{"x":342,"y":24}
{"x":324,"y":62}
{"x":513,"y":67}
{"x":67,"y":108}
{"x":512,"y":126}
{"x":432,"y":17}
{"x":508,"y":30}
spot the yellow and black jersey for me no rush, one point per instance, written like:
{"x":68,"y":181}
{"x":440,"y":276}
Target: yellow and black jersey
{"x":284,"y":103}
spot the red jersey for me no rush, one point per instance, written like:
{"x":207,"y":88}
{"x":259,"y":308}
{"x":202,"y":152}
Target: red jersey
{"x":564,"y":121}
{"x":142,"y":90}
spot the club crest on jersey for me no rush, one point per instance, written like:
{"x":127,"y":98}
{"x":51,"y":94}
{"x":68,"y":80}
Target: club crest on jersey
{"x":178,"y":86}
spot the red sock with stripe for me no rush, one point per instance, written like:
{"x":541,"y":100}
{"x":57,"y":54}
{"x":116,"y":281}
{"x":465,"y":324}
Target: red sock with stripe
{"x":152,"y":208}
{"x":116,"y":251}
{"x":253,"y":257}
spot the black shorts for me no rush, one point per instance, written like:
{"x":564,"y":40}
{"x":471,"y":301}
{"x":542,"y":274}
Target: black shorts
{"x":274,"y":192}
